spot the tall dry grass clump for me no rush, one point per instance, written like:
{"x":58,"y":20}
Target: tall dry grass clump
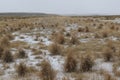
{"x":55,"y":49}
{"x":47,"y":73}
{"x":21,"y":70}
{"x":59,"y":38}
{"x":70,"y":63}
{"x":7,"y":56}
{"x":86,"y":63}
{"x":21,"y":53}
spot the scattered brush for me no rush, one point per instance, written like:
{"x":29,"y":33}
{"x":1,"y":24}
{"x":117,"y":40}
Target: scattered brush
{"x":55,"y":49}
{"x":22,"y":70}
{"x":70,"y":63}
{"x":86,"y":63}
{"x":47,"y":73}
{"x":7,"y":56}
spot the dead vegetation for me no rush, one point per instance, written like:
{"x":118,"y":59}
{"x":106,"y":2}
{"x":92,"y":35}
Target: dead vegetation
{"x":22,"y":69}
{"x":70,"y":63}
{"x":7,"y":56}
{"x":21,"y":54}
{"x":86,"y":63}
{"x":54,"y":35}
{"x":55,"y":49}
{"x":47,"y":73}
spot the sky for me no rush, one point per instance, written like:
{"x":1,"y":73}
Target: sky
{"x":62,"y":6}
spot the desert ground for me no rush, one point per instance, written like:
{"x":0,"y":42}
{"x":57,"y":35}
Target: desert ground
{"x":60,"y":47}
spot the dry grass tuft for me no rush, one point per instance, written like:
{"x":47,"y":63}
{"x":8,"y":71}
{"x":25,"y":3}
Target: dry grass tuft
{"x":108,"y":54}
{"x":59,"y":38}
{"x":7,"y":56}
{"x":70,"y":63}
{"x":47,"y":73}
{"x":80,"y":29}
{"x":22,"y":70}
{"x":86,"y":63}
{"x":21,"y":54}
{"x":55,"y":49}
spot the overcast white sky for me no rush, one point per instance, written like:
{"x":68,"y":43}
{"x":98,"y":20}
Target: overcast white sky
{"x":62,"y":6}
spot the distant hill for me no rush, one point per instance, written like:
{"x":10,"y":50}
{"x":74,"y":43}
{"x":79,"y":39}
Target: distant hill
{"x":26,"y":14}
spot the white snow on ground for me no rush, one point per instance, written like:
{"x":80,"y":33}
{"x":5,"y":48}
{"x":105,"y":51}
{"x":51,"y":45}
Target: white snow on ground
{"x":114,"y":38}
{"x":31,"y":39}
{"x":84,"y":40}
{"x":117,"y":20}
{"x":25,"y":38}
{"x":71,"y":27}
{"x":101,"y":65}
{"x":45,"y":41}
{"x":94,"y":76}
